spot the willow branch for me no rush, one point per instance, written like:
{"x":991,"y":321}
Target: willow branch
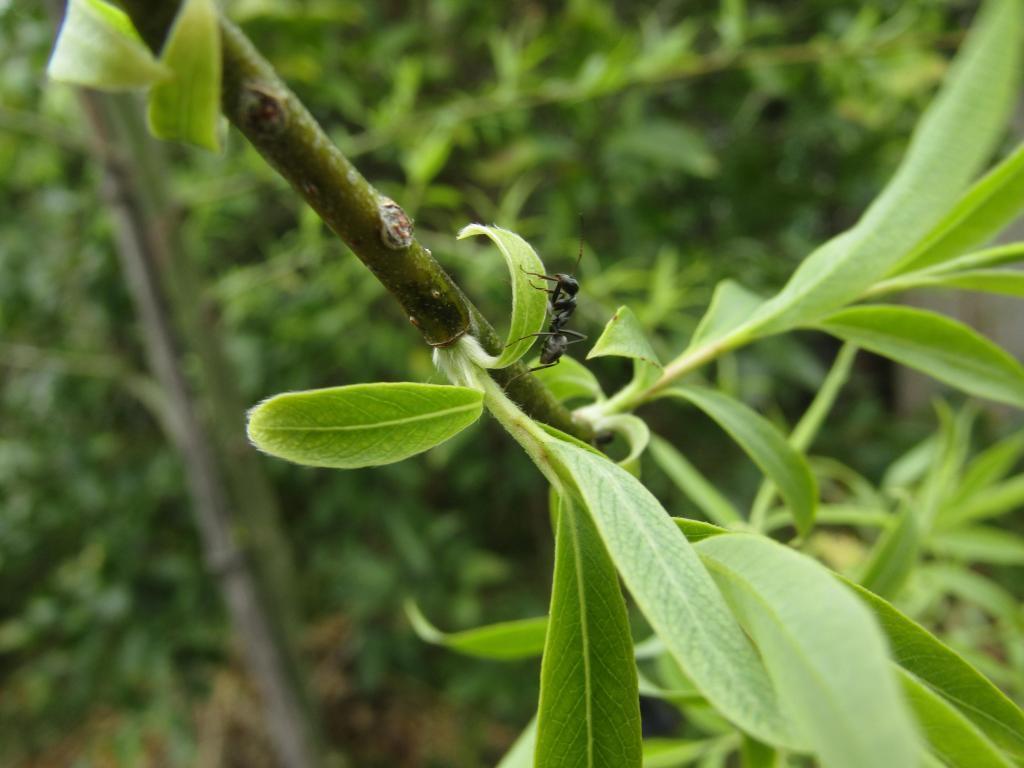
{"x":374,"y":227}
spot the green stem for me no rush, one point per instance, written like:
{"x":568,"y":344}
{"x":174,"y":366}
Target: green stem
{"x":376,"y":228}
{"x":806,"y":430}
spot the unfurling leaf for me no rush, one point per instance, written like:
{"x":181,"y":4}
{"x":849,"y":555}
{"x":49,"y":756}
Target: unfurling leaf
{"x":361,"y":425}
{"x":186,"y":107}
{"x":98,"y":47}
{"x":529,"y":305}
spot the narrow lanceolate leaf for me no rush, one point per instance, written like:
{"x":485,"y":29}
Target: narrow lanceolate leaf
{"x":570,"y":380}
{"x":807,"y":428}
{"x":589,"y":712}
{"x":822,"y":648}
{"x":950,"y":146}
{"x":996,"y":256}
{"x":946,"y":672}
{"x":943,"y":348}
{"x":361,"y":425}
{"x":731,"y":306}
{"x":986,"y":503}
{"x":980,"y":544}
{"x":623,"y":336}
{"x":675,"y":592}
{"x":1006,"y":282}
{"x":529,"y":304}
{"x":98,"y":47}
{"x":951,"y":736}
{"x":987,"y":468}
{"x":894,"y":555}
{"x":691,"y":482}
{"x":520,"y":755}
{"x":780,"y":462}
{"x":186,"y":107}
{"x":673,"y":753}
{"x":993,"y":202}
{"x":506,"y":640}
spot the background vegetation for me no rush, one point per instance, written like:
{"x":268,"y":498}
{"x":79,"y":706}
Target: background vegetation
{"x":696,"y":140}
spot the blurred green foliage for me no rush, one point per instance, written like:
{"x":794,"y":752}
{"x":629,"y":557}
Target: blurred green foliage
{"x":695,"y":140}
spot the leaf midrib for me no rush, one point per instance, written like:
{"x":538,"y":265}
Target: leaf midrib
{"x":374,"y":425}
{"x":584,"y":635}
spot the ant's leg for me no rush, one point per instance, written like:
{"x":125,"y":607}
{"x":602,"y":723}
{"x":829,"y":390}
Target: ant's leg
{"x":542,"y":367}
{"x":542,"y":288}
{"x":542,"y":276}
{"x":529,"y":335}
{"x":531,"y":370}
{"x":573,"y":336}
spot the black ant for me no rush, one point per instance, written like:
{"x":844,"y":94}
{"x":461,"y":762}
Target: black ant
{"x":561,"y":304}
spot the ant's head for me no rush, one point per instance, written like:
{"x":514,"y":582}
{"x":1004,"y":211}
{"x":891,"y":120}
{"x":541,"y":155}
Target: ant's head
{"x":568,"y":283}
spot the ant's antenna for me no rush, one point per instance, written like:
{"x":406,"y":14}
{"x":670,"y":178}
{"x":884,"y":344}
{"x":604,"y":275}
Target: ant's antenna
{"x":579,"y":258}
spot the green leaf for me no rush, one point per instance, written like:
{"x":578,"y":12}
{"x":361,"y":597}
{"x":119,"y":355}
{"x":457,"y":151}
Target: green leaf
{"x":692,"y":483}
{"x":977,"y":487}
{"x":810,"y":423}
{"x":426,"y":157}
{"x":361,"y":425}
{"x":920,"y":652}
{"x":766,"y":447}
{"x":968,"y":585}
{"x":984,"y":210}
{"x":951,"y":736}
{"x":529,"y":305}
{"x":754,"y":754}
{"x":943,"y":348}
{"x":674,"y":591}
{"x":506,"y":640}
{"x":521,"y":753}
{"x":570,"y":380}
{"x":672,"y":753}
{"x":731,"y":306}
{"x":894,"y":555}
{"x":836,"y":514}
{"x":997,"y":256}
{"x":987,"y":503}
{"x":589,"y":712}
{"x":823,"y":650}
{"x":667,"y":146}
{"x":807,"y":428}
{"x":186,"y":107}
{"x":634,"y":431}
{"x":907,"y":469}
{"x":98,"y":47}
{"x":697,"y":530}
{"x":972,"y":266}
{"x":980,"y":544}
{"x":623,"y":336}
{"x":949,"y":147}
{"x":1005,"y":282}
{"x":677,"y":695}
